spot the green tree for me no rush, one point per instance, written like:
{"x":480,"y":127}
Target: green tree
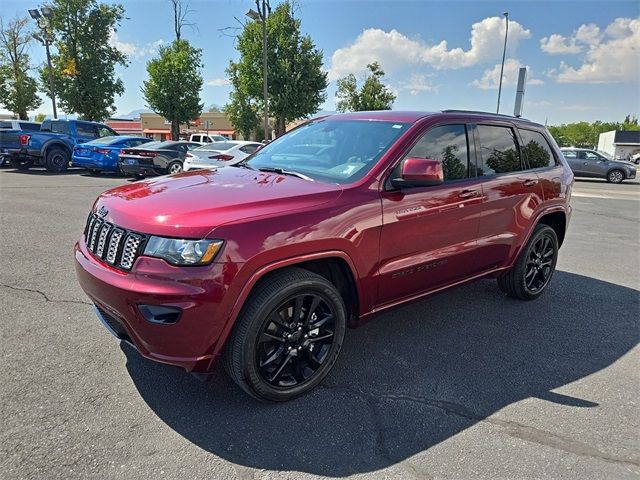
{"x":174,"y":84}
{"x":585,"y":134}
{"x":242,"y":109}
{"x":18,"y":90}
{"x":373,"y":95}
{"x":84,"y":66}
{"x":40,"y":117}
{"x":296,"y":80}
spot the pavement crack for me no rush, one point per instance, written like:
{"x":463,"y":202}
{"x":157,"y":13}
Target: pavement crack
{"x":511,"y":428}
{"x":44,"y":295}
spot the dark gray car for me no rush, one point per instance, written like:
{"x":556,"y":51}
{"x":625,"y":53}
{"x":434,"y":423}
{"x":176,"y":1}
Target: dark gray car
{"x":590,"y":163}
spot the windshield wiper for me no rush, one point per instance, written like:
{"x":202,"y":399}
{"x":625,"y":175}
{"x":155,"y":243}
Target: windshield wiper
{"x":243,"y":165}
{"x":282,"y":171}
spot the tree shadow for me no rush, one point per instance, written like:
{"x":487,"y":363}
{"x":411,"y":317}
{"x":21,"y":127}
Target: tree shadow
{"x":408,"y":380}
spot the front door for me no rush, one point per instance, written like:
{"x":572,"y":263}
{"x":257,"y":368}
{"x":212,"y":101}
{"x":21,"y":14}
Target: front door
{"x":594,"y":164}
{"x":429,"y":233}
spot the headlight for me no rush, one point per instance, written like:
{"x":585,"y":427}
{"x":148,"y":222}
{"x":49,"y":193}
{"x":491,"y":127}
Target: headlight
{"x":183,"y":252}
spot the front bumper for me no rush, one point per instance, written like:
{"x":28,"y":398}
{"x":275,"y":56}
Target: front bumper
{"x":631,"y":173}
{"x":200,"y":292}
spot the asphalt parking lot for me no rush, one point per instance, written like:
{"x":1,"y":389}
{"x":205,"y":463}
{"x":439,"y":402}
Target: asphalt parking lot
{"x":465,"y":384}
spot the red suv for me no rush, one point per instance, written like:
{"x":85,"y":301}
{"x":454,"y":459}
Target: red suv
{"x":266,"y":262}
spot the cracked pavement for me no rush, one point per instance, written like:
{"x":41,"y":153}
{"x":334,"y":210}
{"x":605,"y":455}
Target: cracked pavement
{"x":465,"y":384}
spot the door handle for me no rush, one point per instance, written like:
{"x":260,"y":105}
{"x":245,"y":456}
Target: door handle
{"x":530,"y":183}
{"x":468,"y":194}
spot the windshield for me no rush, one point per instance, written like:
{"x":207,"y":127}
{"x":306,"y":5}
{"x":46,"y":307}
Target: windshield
{"x":105,"y":141}
{"x":336,"y":151}
{"x":217,"y":146}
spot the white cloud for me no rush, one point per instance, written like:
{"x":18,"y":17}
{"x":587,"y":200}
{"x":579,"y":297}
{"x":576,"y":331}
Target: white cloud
{"x":491,"y":77}
{"x":394,"y":50}
{"x":557,"y":45}
{"x":219,"y":82}
{"x":133,"y":50}
{"x":612,"y":56}
{"x":418,"y":82}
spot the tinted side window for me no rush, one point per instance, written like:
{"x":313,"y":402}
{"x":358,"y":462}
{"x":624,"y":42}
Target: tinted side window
{"x":60,"y":127}
{"x":569,"y":154}
{"x":536,"y":149}
{"x":30,"y":127}
{"x":447,"y":144}
{"x":249,"y":149}
{"x":86,"y":130}
{"x":498,"y":150}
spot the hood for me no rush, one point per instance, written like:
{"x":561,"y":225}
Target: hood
{"x":191,"y":204}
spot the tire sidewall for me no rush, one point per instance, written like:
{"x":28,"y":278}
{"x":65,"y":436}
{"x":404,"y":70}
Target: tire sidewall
{"x":251,"y":374}
{"x":540,"y":231}
{"x":175,"y":162}
{"x":622,"y":175}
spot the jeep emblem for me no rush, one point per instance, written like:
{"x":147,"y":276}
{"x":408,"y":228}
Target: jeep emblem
{"x":102,"y":211}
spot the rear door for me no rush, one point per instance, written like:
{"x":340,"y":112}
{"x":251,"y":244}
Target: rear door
{"x":428,"y":236}
{"x":511,"y":194}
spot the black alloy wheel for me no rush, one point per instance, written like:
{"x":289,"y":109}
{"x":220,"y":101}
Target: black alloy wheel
{"x":288,"y":335}
{"x":530,"y":275}
{"x":295,"y":340}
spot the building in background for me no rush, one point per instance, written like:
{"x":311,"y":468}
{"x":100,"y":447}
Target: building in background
{"x":619,"y":143}
{"x":156,"y":127}
{"x":125,"y":126}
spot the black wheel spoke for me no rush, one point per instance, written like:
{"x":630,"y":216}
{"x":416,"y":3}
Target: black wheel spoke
{"x":312,"y":308}
{"x":321,"y":337}
{"x":273,"y":356}
{"x":268,"y":337}
{"x":275,"y":376}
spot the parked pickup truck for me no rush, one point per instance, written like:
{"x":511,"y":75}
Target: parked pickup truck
{"x":50,"y":147}
{"x":7,"y":126}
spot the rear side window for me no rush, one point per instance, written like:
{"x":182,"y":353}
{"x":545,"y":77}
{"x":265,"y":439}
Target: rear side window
{"x":5,"y":125}
{"x":448,"y":144}
{"x":536,"y":150}
{"x":87,"y":130}
{"x":30,"y":127}
{"x":60,"y":127}
{"x":498,"y":150}
{"x":248,"y":149}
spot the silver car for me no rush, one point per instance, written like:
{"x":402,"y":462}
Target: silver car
{"x":594,"y":164}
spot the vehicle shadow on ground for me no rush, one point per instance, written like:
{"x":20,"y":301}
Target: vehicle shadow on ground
{"x":410,"y":379}
{"x":603,"y":181}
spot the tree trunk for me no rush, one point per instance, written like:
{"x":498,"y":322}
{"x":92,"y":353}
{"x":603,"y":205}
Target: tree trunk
{"x":280,"y":126}
{"x":23,"y":115}
{"x":175,"y":130}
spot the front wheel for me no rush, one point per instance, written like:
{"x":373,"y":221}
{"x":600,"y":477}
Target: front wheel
{"x":532,"y":272}
{"x":287,"y":337}
{"x":174,"y":167}
{"x":615,"y":176}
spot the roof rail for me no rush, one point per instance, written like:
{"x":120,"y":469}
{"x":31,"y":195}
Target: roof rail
{"x":480,"y":112}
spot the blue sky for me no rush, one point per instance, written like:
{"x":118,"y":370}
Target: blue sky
{"x":583,"y":56}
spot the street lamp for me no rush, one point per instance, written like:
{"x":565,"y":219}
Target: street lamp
{"x":504,"y":52}
{"x":261,"y":17}
{"x":42,"y":18}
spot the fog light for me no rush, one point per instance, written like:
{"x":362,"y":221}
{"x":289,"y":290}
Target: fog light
{"x":160,"y":314}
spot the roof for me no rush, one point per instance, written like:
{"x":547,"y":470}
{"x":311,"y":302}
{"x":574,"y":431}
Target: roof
{"x":627,"y":137}
{"x":412,"y":117}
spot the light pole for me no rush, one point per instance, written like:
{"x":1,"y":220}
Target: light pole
{"x":42,"y":19}
{"x":504,"y":52}
{"x":261,"y":17}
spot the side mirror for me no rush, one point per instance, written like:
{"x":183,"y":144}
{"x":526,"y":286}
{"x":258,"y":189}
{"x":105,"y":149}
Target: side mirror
{"x":419,"y":172}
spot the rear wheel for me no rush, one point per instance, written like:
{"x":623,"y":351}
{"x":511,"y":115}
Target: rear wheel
{"x":287,"y":337}
{"x":139,"y":176}
{"x":615,"y":176}
{"x":57,"y":160}
{"x":174,"y":167}
{"x":532,"y":272}
{"x":21,"y":164}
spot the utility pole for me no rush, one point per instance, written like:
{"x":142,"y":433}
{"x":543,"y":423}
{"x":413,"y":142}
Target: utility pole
{"x":261,"y":16}
{"x":504,"y":52}
{"x":42,"y":19}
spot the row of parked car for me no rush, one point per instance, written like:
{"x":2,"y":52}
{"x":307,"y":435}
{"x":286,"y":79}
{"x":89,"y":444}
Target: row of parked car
{"x":58,"y":144}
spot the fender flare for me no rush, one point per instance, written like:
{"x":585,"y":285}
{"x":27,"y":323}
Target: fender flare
{"x":54,"y":142}
{"x":264,"y":270}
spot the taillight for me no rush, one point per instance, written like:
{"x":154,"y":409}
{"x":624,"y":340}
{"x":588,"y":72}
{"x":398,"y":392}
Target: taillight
{"x":190,"y":155}
{"x":222,"y":157}
{"x":24,"y":139}
{"x":102,"y":151}
{"x":148,"y":154}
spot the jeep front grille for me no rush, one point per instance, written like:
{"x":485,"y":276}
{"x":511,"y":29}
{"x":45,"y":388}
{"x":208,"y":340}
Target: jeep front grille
{"x":112,"y":244}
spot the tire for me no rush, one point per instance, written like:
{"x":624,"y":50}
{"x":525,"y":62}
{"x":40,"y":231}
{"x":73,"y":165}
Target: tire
{"x":21,"y":165}
{"x":95,"y":172}
{"x":139,"y":176}
{"x":517,"y":282}
{"x":57,"y":160}
{"x":174,"y":167}
{"x":256,"y":338}
{"x":615,"y":176}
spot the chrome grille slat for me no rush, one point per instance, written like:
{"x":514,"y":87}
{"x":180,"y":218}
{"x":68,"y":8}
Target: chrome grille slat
{"x":112,"y":244}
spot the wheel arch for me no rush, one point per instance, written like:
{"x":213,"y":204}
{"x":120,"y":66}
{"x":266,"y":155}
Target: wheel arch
{"x":556,"y":220}
{"x":53,"y":144}
{"x":336,"y":266}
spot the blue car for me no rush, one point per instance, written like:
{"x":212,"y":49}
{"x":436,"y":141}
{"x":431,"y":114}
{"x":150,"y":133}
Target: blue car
{"x":102,"y":154}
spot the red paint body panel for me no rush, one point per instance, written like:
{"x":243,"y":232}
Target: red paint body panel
{"x":398,"y":245}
